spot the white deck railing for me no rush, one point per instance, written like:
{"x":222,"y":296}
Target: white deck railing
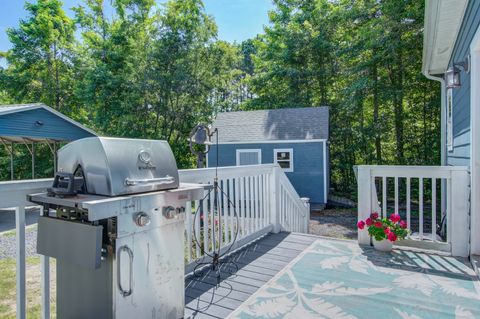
{"x":262,"y":195}
{"x":441,"y":194}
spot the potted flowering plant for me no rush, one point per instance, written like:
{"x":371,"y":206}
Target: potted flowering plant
{"x":384,"y":231}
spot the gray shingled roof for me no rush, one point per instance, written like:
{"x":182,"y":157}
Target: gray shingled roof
{"x":280,"y":124}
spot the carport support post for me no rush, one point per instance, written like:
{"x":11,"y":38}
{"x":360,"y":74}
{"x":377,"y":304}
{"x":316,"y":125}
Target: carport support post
{"x":11,"y":161}
{"x":33,"y":160}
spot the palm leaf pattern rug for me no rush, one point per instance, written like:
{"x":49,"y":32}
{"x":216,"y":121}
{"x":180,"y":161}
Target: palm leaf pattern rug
{"x":339,"y":279}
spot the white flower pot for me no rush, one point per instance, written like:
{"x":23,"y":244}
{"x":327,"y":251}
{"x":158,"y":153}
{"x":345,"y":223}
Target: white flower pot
{"x":383,"y":245}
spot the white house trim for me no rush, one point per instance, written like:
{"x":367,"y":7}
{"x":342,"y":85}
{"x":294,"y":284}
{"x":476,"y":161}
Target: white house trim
{"x":475,"y":145}
{"x":244,"y":150}
{"x":274,"y":141}
{"x":289,"y":150}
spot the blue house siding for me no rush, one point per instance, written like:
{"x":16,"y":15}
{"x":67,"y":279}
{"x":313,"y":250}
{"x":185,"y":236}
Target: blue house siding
{"x":461,"y":96}
{"x":54,"y":127}
{"x":308,"y":163}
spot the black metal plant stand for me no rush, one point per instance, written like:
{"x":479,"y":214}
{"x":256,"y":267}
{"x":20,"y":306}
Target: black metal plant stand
{"x":201,"y":135}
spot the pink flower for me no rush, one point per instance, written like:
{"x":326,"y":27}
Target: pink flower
{"x":386,"y":231}
{"x":403,"y":224}
{"x":392,"y":237}
{"x":368,"y":221}
{"x":395,"y":218}
{"x":361,"y":224}
{"x":378,"y":224}
{"x":374,"y":215}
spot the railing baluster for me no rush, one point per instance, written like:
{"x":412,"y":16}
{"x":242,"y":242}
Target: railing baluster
{"x":449,"y":210}
{"x":254,"y":202}
{"x":206,"y":229}
{"x":384,"y":196}
{"x":198,"y":250}
{"x":434,"y":209}
{"x":396,"y":195}
{"x":225,"y":217}
{"x":243,"y":204}
{"x":20,"y":274}
{"x":45,"y":280}
{"x":420,"y":207}
{"x":231,"y":209}
{"x":188,"y":226}
{"x":259,"y":198}
{"x":265,"y":199}
{"x":408,"y":203}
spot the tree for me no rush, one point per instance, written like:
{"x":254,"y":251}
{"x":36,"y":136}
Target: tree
{"x":40,"y":61}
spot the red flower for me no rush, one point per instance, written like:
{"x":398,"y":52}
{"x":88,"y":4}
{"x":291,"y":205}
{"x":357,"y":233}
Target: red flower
{"x":374,"y":215}
{"x":395,"y":218}
{"x":361,"y":224}
{"x":403,"y":224}
{"x":368,"y":221}
{"x":392,"y":237}
{"x":386,"y":231}
{"x":378,"y":224}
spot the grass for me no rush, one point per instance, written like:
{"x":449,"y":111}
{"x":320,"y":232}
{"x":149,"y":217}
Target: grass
{"x":8,"y":287}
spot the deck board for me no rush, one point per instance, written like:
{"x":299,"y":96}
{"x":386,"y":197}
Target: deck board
{"x":257,"y":264}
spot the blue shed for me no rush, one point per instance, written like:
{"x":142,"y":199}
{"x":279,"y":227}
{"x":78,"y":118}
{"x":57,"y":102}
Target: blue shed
{"x":294,"y":138}
{"x":29,"y":124}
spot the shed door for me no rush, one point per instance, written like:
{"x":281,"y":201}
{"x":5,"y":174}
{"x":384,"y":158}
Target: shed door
{"x":249,"y":157}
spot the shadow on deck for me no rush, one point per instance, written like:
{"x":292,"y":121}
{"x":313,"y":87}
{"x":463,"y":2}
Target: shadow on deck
{"x":257,"y":263}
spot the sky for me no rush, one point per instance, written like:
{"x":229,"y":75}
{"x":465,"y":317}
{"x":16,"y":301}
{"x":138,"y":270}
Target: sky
{"x":237,"y":20}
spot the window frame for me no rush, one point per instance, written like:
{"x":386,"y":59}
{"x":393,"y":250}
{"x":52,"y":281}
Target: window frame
{"x":284,"y":150}
{"x":248,"y":150}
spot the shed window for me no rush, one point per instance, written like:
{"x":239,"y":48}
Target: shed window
{"x":249,"y":157}
{"x":284,"y":158}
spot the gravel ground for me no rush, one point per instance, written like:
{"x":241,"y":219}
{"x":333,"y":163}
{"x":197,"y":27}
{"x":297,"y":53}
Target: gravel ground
{"x":337,"y":223}
{"x":7,"y":243}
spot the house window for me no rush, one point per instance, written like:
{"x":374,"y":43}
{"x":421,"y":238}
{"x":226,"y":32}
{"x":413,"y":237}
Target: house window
{"x":450,"y":120}
{"x":249,"y":157}
{"x":284,"y":158}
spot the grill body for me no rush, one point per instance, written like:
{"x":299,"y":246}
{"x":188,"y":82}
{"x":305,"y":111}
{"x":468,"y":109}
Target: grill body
{"x":118,"y":239}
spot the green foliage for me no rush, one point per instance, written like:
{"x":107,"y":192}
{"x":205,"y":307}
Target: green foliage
{"x":155,"y":71}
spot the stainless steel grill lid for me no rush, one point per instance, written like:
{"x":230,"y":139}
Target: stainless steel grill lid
{"x":118,"y":166}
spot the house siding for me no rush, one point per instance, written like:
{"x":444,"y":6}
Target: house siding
{"x":54,"y":127}
{"x":308,"y":162}
{"x":460,"y":155}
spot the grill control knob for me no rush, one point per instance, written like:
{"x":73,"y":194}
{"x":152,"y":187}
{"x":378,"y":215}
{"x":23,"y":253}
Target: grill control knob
{"x":169,"y":212}
{"x":142,"y":219}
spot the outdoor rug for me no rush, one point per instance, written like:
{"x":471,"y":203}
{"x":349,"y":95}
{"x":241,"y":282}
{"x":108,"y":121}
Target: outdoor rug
{"x":339,"y":279}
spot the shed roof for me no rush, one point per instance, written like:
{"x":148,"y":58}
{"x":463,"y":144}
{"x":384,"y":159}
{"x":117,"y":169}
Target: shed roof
{"x":38,"y":122}
{"x":308,"y":123}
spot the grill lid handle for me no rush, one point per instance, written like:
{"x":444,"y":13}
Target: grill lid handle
{"x":161,"y":180}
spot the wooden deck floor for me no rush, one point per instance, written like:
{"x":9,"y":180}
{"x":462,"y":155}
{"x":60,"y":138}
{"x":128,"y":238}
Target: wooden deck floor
{"x":257,"y":263}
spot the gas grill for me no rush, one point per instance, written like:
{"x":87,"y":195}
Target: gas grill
{"x":114,"y":221}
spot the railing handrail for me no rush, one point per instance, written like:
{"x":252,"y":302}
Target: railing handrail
{"x":412,"y":171}
{"x":299,"y":202}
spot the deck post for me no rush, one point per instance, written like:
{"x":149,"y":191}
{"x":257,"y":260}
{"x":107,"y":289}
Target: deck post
{"x":459,"y":236}
{"x":274,"y":181}
{"x":364,"y":204}
{"x":306,"y":201}
{"x":20,"y":239}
